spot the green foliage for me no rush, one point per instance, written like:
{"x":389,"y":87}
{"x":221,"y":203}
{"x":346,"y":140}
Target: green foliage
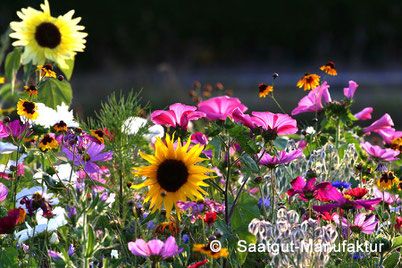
{"x":392,"y":260}
{"x":68,"y":71}
{"x":12,"y":64}
{"x":53,"y":92}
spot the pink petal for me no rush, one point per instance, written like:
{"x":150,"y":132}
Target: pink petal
{"x":364,"y":114}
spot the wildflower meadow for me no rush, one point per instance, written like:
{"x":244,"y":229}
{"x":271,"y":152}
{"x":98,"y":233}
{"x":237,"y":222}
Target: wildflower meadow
{"x":209,"y":183}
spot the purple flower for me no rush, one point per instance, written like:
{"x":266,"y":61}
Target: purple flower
{"x":340,"y":185}
{"x":219,"y":108}
{"x":201,"y":139}
{"x":54,"y":254}
{"x":379,"y":153}
{"x":200,"y":206}
{"x":360,"y":223}
{"x":17,"y":129}
{"x":3,"y":131}
{"x":186,"y":239}
{"x":72,"y":212}
{"x":267,"y":202}
{"x":343,"y":203}
{"x":283,"y":157}
{"x":151,"y":225}
{"x":3,"y":192}
{"x":155,"y":248}
{"x":88,"y":157}
{"x":307,"y":190}
{"x":71,"y":250}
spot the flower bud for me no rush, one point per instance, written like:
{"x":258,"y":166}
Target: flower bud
{"x":54,"y":239}
{"x":258,"y":179}
{"x":60,"y":78}
{"x":7,"y":119}
{"x":275,"y":75}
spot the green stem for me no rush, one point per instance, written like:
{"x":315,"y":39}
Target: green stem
{"x":273,"y":195}
{"x":277,"y":103}
{"x":338,"y":130}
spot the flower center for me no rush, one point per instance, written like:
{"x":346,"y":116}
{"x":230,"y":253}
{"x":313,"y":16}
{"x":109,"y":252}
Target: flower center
{"x":47,"y":139}
{"x":47,"y":35}
{"x":29,"y":107}
{"x":172,"y":174}
{"x":86,"y":157}
{"x":99,"y":133}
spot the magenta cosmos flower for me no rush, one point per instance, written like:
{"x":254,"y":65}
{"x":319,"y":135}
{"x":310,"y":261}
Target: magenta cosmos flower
{"x":178,"y":115}
{"x":3,"y":131}
{"x":384,"y":122}
{"x":283,"y":157}
{"x":360,"y":224}
{"x":385,"y":196}
{"x":389,"y":134}
{"x":307,"y":190}
{"x":219,"y":108}
{"x":349,"y":92}
{"x":364,"y":114}
{"x":313,"y":101}
{"x":155,"y":248}
{"x":379,"y":153}
{"x":339,"y":201}
{"x":3,"y":192}
{"x":281,"y":124}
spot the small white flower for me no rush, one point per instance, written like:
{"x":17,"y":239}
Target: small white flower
{"x":48,"y":117}
{"x":154,"y":132}
{"x":133,"y":124}
{"x":310,"y":130}
{"x":54,"y":239}
{"x":114,"y":254}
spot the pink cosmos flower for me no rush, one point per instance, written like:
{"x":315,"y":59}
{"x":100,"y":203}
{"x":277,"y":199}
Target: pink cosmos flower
{"x":389,"y":134}
{"x":283,"y":157}
{"x":3,"y":192}
{"x":385,"y":196}
{"x":307,"y":190}
{"x":384,"y":122}
{"x":178,"y":115}
{"x":350,"y":91}
{"x":155,"y":248}
{"x":313,"y":101}
{"x":245,"y":119}
{"x":282,"y":124}
{"x":219,"y":108}
{"x":360,"y":223}
{"x":3,"y":131}
{"x":364,"y":114}
{"x":341,"y":202}
{"x":379,"y":153}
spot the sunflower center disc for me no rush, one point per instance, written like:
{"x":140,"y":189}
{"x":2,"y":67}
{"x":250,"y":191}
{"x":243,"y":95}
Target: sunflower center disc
{"x":47,"y":35}
{"x":172,"y":174}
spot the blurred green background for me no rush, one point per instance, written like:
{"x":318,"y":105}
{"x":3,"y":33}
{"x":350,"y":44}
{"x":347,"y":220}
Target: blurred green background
{"x":163,"y":46}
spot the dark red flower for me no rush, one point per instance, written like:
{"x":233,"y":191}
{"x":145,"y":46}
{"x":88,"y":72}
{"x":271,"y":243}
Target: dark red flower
{"x":14,"y":217}
{"x":357,"y":193}
{"x":398,"y":224}
{"x":198,"y":264}
{"x":210,"y":217}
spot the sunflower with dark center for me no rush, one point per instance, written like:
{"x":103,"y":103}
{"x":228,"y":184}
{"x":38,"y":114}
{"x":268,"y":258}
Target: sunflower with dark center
{"x":48,"y":142}
{"x":46,"y":70}
{"x":173,"y":175}
{"x":206,"y":249}
{"x":45,"y":37}
{"x":387,"y":180}
{"x":60,"y":127}
{"x":329,"y":68}
{"x":31,"y":90}
{"x":309,"y":81}
{"x":264,"y":90}
{"x":28,"y":109}
{"x":99,"y":135}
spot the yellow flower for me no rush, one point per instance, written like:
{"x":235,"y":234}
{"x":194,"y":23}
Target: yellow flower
{"x":206,"y":249}
{"x":48,"y":142}
{"x":264,"y":90}
{"x":98,"y":134}
{"x":329,"y":68}
{"x":60,"y":127}
{"x":387,"y":180}
{"x":396,"y":144}
{"x":31,"y":90}
{"x":27,"y":109}
{"x":2,"y":80}
{"x":173,"y":175}
{"x":46,"y":70}
{"x":47,"y":38}
{"x":309,"y":81}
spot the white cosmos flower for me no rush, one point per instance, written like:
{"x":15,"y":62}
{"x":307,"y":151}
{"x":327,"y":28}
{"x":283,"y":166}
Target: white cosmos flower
{"x":31,"y":191}
{"x":310,"y":130}
{"x":43,"y":225}
{"x":63,"y":172}
{"x":48,"y":117}
{"x":7,"y":148}
{"x":133,"y":124}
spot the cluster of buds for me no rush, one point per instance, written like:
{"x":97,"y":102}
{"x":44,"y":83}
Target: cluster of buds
{"x":297,"y":241}
{"x":199,"y":92}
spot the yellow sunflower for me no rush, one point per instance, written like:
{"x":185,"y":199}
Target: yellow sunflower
{"x":173,"y":174}
{"x":309,"y":81}
{"x":27,"y":109}
{"x":206,"y":249}
{"x":48,"y":38}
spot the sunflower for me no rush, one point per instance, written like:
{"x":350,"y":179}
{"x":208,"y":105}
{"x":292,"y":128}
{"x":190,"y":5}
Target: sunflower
{"x":46,"y":70}
{"x":31,"y":90}
{"x":387,"y":180}
{"x":27,"y":109}
{"x":309,"y":81}
{"x":329,"y":68}
{"x":48,"y":142}
{"x":99,"y":135}
{"x":264,"y":90}
{"x":173,"y":174}
{"x":48,"y":38}
{"x":206,"y":249}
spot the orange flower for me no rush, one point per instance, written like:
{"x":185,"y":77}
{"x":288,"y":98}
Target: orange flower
{"x":329,"y":68}
{"x":264,"y":90}
{"x":309,"y":81}
{"x":46,"y":70}
{"x":31,"y":90}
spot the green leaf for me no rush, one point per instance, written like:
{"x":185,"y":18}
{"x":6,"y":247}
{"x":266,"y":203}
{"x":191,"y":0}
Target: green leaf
{"x":68,"y":71}
{"x":249,"y":162}
{"x":53,"y":92}
{"x":392,"y":260}
{"x":12,"y":64}
{"x":397,"y":242}
{"x":9,"y":257}
{"x":216,"y":147}
{"x":90,"y":241}
{"x":281,"y":143}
